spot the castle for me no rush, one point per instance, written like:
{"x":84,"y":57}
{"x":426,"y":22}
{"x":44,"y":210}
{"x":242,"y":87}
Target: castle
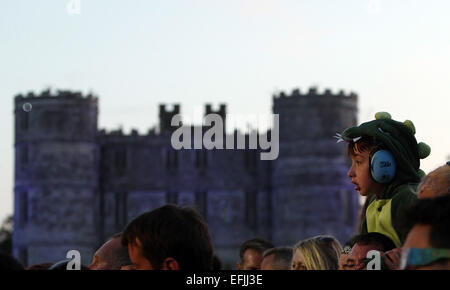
{"x":76,"y":185}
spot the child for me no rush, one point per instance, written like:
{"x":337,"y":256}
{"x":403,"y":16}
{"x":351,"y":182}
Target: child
{"x":385,"y":168}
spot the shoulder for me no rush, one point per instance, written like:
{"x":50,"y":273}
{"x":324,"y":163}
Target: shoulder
{"x":404,"y":196}
{"x":400,"y":191}
{"x":405,"y":192}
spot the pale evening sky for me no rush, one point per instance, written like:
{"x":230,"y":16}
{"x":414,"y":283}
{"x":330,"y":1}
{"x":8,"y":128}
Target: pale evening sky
{"x":136,"y":54}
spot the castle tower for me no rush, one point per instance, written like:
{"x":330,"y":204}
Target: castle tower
{"x":56,"y":177}
{"x":222,"y":112}
{"x":311,"y":191}
{"x":165,"y":118}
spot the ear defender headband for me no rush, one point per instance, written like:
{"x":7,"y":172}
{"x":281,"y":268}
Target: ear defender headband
{"x":383,"y":166}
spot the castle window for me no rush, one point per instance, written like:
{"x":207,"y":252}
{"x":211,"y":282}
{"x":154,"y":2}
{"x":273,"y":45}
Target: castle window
{"x":121,"y":210}
{"x":198,"y":158}
{"x":172,"y":197}
{"x":251,"y":209}
{"x":171,"y":159}
{"x":23,"y":209}
{"x":121,"y":160}
{"x":24,"y":120}
{"x":201,"y":159}
{"x":201,"y":203}
{"x":250,"y":161}
{"x":23,"y":155}
{"x":175,"y":159}
{"x":53,"y":121}
{"x":205,"y":158}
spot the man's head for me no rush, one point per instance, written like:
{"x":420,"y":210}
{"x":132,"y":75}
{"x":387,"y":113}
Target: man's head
{"x":361,"y":153}
{"x":169,"y":238}
{"x":112,"y":255}
{"x":251,"y":254}
{"x":436,"y":183}
{"x":277,"y":259}
{"x":427,"y":245}
{"x":363,"y":244}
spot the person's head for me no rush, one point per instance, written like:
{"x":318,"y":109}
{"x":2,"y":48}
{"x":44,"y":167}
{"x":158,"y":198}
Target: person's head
{"x":8,"y":262}
{"x":63,"y":266}
{"x":251,"y":254}
{"x":363,"y":244}
{"x":345,"y":254}
{"x":427,"y":244}
{"x":112,"y":255}
{"x":361,"y":153}
{"x":316,"y":253}
{"x":42,"y":266}
{"x":436,"y":183}
{"x":278,"y":258}
{"x":399,"y":165}
{"x":169,"y":238}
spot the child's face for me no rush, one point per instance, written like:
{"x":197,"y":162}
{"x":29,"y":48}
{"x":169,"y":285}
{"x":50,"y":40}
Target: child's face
{"x":360,"y":174}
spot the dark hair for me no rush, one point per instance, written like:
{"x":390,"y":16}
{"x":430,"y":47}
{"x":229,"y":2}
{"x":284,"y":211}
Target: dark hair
{"x":365,"y":144}
{"x":8,"y":262}
{"x":256,"y":244}
{"x":282,"y":258}
{"x":172,"y":231}
{"x":42,"y":266}
{"x":216,"y":263}
{"x":436,"y":213}
{"x":374,"y":238}
{"x":348,"y":245}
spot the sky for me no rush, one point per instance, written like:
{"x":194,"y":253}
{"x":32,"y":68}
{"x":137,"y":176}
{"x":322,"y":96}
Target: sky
{"x":136,"y":54}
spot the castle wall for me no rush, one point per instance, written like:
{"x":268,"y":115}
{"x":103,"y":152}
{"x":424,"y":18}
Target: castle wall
{"x":56,"y":178}
{"x":76,"y":186}
{"x":228,"y":187}
{"x":311,"y":192}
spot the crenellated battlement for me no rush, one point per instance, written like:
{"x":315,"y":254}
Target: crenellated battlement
{"x":165,"y":117}
{"x":120,"y":135}
{"x":222,"y":111}
{"x":48,"y":94}
{"x":313,"y":92}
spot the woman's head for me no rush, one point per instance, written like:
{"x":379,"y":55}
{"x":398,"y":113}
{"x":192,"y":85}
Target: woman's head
{"x":316,"y":253}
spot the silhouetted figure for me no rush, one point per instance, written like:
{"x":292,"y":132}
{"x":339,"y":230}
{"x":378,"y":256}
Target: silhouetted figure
{"x":169,"y":238}
{"x":251,"y":254}
{"x":8,"y":262}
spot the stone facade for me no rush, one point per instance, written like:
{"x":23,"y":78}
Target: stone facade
{"x":76,"y":185}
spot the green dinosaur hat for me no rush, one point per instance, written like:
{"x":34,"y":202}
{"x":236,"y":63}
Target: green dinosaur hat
{"x":399,"y":138}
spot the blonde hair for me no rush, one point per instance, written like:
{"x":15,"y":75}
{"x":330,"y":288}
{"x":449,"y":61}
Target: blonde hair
{"x":436,"y":183}
{"x":319,"y":252}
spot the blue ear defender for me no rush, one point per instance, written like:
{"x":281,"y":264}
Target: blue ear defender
{"x":383,"y":166}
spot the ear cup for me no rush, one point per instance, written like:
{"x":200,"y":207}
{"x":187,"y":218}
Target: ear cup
{"x":383,"y":166}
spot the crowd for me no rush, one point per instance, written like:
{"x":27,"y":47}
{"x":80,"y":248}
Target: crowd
{"x":405,"y":221}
